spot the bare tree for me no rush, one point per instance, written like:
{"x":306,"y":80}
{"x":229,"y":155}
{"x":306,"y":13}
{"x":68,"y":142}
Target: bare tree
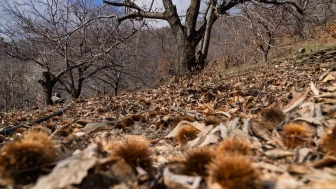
{"x":264,"y":24}
{"x":188,"y":36}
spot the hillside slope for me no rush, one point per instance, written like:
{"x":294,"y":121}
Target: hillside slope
{"x":266,"y":127}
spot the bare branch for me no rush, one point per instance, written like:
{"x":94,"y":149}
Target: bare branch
{"x":144,"y":14}
{"x":124,"y":4}
{"x":140,"y":14}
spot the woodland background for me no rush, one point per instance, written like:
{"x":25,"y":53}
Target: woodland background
{"x":78,"y":49}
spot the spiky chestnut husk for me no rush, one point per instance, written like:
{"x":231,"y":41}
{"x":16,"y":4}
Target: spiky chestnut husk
{"x":177,"y":120}
{"x":2,"y":138}
{"x":234,"y":146}
{"x":233,"y":172}
{"x":119,"y":125}
{"x":135,"y":151}
{"x":40,"y":128}
{"x":328,"y":141}
{"x":21,"y":161}
{"x":21,"y":130}
{"x":294,"y":135}
{"x":138,"y":117}
{"x":127,"y":121}
{"x":272,"y":116}
{"x":186,"y":133}
{"x":197,"y":160}
{"x":212,"y":120}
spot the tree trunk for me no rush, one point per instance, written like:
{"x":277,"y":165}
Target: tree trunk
{"x":265,"y":54}
{"x":210,"y":19}
{"x":47,"y":85}
{"x":186,"y":61}
{"x":116,"y":88}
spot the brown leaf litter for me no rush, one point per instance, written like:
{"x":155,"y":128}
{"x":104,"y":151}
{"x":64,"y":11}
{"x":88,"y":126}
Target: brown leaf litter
{"x":268,"y":128}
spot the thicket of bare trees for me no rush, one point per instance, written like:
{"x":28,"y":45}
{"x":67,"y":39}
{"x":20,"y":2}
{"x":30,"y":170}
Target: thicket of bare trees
{"x":258,"y":29}
{"x":68,"y":41}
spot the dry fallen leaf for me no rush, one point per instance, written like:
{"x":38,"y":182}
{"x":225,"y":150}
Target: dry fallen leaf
{"x":66,"y":173}
{"x":278,"y":153}
{"x":297,"y":100}
{"x":180,"y":181}
{"x":328,"y":78}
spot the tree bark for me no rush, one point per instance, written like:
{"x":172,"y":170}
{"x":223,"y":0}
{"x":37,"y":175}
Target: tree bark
{"x":47,"y":85}
{"x":265,"y":55}
{"x":210,"y":19}
{"x":187,"y":61}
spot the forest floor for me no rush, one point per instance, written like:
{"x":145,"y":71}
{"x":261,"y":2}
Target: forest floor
{"x":268,"y":126}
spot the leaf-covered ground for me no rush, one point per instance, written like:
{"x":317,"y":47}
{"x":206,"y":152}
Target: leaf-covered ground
{"x":267,"y":127}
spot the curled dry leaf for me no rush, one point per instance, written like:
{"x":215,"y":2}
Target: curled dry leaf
{"x":327,"y":161}
{"x":328,"y":78}
{"x":297,"y":100}
{"x":286,"y":181}
{"x":259,"y":130}
{"x":278,"y":153}
{"x":302,"y":154}
{"x":66,"y":173}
